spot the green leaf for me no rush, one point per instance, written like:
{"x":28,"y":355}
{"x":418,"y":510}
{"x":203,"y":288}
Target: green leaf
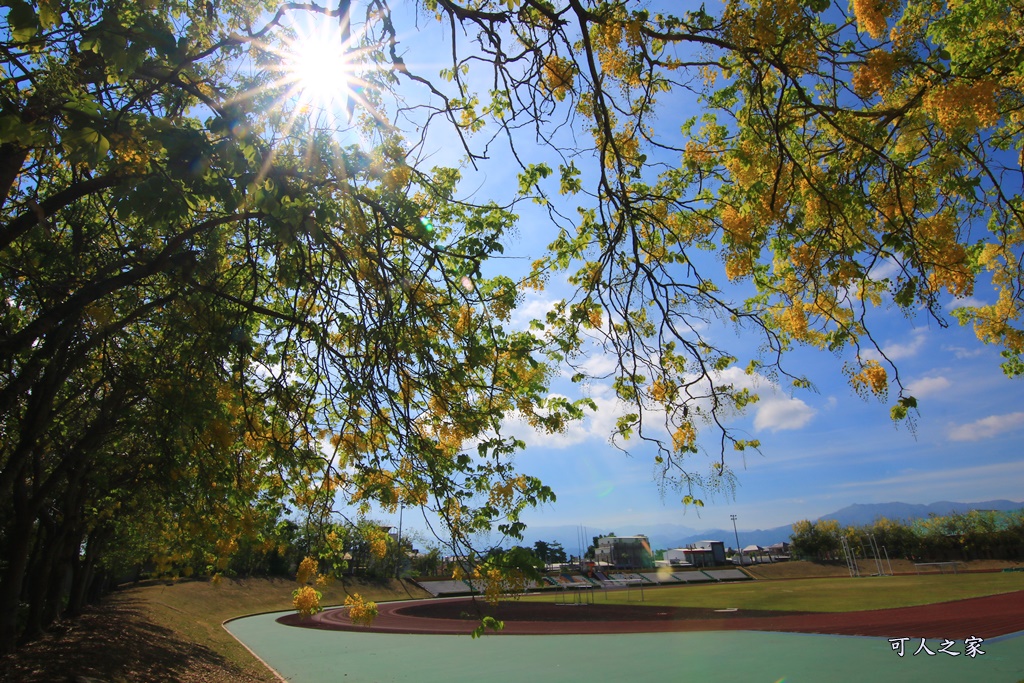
{"x":49,"y":13}
{"x":22,"y":20}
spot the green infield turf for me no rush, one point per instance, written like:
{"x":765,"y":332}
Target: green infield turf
{"x":819,"y":595}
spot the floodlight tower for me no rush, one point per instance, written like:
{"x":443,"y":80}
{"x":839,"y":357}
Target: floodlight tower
{"x":733,"y":518}
{"x":398,"y":568}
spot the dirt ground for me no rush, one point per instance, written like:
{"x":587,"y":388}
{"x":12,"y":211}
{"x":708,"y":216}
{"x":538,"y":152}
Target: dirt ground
{"x":117,"y":642}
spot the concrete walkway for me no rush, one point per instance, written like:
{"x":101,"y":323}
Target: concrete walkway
{"x":311,"y":656}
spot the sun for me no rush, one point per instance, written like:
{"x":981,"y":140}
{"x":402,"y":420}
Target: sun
{"x":318,"y":69}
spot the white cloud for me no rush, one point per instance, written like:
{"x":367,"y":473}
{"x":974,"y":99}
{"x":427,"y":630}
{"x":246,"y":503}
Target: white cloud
{"x":962,"y":352}
{"x":779,"y":412}
{"x":966,"y":301}
{"x":598,"y":364}
{"x":887,"y":268}
{"x":775,"y":411}
{"x":996,"y":472}
{"x":988,"y":427}
{"x":927,"y":386}
{"x":595,"y":426}
{"x":534,"y":307}
{"x":895,"y":351}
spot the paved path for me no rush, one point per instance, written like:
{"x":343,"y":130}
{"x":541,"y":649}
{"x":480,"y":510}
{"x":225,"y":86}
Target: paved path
{"x":317,"y":656}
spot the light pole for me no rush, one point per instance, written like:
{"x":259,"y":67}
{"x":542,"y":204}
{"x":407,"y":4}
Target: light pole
{"x":398,"y":569}
{"x":733,"y":518}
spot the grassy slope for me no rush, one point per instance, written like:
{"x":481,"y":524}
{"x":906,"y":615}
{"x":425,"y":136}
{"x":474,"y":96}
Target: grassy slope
{"x":825,"y":594}
{"x":170,"y":631}
{"x":196,"y":609}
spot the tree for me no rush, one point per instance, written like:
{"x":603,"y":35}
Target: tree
{"x":208,"y":301}
{"x":202,"y":290}
{"x":550,"y":553}
{"x":817,"y":540}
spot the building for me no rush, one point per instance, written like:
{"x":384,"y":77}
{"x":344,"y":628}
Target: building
{"x":699,"y":554}
{"x":717,"y":549}
{"x":696,"y":557}
{"x":624,"y":552}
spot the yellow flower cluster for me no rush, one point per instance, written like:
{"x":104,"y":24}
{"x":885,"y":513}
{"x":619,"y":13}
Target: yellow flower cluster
{"x":776,"y":26}
{"x":361,"y":611}
{"x":379,"y":483}
{"x":658,"y":391}
{"x":992,"y":323}
{"x":501,"y":583}
{"x":963,"y":106}
{"x":875,"y":74}
{"x":684,"y":439}
{"x":306,"y":600}
{"x":737,"y":265}
{"x":464,"y":320}
{"x":378,"y":544}
{"x":557,"y":75}
{"x":626,"y":147}
{"x":609,"y":39}
{"x":634,"y":32}
{"x":130,"y":152}
{"x":947,"y":257}
{"x":872,"y":14}
{"x":803,"y":257}
{"x":739,"y":227}
{"x":794,"y":320}
{"x":504,"y":492}
{"x":872,"y":379}
{"x":307,"y":570}
{"x":697,"y":154}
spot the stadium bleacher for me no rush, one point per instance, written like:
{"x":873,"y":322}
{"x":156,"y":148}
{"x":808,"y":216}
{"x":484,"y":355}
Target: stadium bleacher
{"x":449,"y":587}
{"x":727,"y":574}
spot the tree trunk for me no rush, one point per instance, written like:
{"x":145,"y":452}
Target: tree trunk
{"x":38,"y":580}
{"x":82,"y":578}
{"x":12,"y":158}
{"x":12,"y":580}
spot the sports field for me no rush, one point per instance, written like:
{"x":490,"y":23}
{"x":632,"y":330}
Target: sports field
{"x":818,"y":595}
{"x":309,"y":655}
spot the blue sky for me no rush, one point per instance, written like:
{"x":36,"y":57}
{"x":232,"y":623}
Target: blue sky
{"x":821,"y":450}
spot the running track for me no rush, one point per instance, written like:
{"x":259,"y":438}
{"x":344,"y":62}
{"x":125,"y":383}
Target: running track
{"x":986,"y":618}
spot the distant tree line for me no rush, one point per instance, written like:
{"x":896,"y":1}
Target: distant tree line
{"x":974,"y":535}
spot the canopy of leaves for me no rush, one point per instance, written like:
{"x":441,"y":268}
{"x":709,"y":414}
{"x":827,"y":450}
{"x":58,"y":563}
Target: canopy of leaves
{"x":214,"y":312}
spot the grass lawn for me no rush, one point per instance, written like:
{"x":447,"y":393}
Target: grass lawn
{"x":820,"y":595}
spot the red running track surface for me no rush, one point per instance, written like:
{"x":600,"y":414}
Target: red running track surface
{"x":986,"y":617}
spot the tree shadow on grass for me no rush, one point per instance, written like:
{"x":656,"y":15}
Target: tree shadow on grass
{"x":115,"y":642}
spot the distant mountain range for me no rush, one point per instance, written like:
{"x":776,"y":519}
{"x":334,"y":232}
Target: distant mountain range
{"x":675,"y":536}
